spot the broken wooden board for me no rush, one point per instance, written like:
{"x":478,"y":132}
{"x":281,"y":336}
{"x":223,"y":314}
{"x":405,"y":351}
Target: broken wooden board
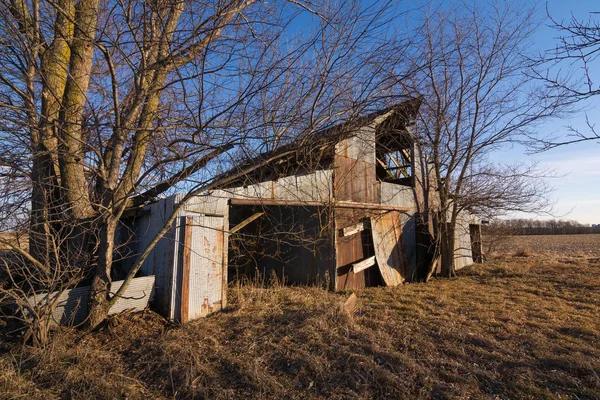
{"x":350,"y":305}
{"x":386,"y":230}
{"x":364,"y":264}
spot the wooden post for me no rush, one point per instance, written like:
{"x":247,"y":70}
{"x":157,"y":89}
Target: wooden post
{"x":476,"y":245}
{"x":185,"y":273}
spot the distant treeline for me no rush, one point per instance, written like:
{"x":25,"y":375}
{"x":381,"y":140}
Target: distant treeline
{"x":537,"y":227}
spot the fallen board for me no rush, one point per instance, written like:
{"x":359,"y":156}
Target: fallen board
{"x":386,"y":230}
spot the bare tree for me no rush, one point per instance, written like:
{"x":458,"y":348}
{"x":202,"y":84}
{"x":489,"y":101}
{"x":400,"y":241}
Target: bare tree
{"x":109,"y":105}
{"x":571,"y":67}
{"x":476,"y":100}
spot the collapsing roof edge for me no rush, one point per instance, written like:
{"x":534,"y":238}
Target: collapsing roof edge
{"x":313,"y":150}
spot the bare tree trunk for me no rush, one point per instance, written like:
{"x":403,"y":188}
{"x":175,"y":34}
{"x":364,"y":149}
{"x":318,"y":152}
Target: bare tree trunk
{"x":99,"y":301}
{"x":45,"y":171}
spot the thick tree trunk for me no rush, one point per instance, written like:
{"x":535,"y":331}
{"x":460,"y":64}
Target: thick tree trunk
{"x":45,"y":171}
{"x":99,"y":302}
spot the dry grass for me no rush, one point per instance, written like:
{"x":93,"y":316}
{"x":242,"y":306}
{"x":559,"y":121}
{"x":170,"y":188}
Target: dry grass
{"x":517,"y":328}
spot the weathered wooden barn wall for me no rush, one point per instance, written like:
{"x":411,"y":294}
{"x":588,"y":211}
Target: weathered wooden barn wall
{"x":334,"y":223}
{"x":354,"y":179}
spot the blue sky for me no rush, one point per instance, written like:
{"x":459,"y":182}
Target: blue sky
{"x":577,"y":167}
{"x":577,"y":185}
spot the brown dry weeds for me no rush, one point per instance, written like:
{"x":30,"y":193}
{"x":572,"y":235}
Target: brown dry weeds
{"x":516,"y":328}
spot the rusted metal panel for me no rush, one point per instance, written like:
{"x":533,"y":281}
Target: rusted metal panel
{"x":355,"y":180}
{"x":206,"y":266}
{"x":389,"y":250}
{"x":185,"y":271}
{"x":72,"y":306}
{"x":351,"y":249}
{"x":392,"y":193}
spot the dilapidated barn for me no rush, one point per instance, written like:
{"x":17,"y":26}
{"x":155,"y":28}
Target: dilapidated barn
{"x":340,"y":208}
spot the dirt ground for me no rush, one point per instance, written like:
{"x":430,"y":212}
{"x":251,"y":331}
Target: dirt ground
{"x":524,"y":326}
{"x":583,"y":247}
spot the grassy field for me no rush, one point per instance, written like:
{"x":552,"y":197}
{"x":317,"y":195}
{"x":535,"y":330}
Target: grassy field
{"x":524,"y":326}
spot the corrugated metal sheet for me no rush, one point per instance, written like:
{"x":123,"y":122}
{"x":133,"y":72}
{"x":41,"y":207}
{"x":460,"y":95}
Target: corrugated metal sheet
{"x":389,"y":250}
{"x":72,"y":309}
{"x":397,"y":195}
{"x":214,"y":204}
{"x":206,"y":267}
{"x":463,"y":257}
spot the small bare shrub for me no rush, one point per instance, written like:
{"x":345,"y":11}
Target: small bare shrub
{"x":522,"y":252}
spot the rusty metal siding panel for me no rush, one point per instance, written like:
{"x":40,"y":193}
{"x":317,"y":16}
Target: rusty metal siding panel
{"x":206,"y":266}
{"x":315,"y":186}
{"x":350,"y":249}
{"x":214,"y":203}
{"x":389,"y":250}
{"x":72,"y":306}
{"x":355,"y":180}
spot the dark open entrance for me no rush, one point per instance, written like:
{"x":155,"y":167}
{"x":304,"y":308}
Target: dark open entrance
{"x":292,"y":243}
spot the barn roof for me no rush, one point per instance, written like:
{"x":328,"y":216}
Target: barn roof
{"x":316,"y":150}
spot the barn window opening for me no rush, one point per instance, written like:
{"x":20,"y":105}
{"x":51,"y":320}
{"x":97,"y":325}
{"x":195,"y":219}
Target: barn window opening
{"x":395,"y":167}
{"x":394,"y":156}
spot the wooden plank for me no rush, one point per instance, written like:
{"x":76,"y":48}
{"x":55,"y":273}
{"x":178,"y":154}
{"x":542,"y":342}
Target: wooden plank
{"x":364,"y":264}
{"x":476,"y":244}
{"x":389,"y":249}
{"x":246,"y":222}
{"x":399,"y":166}
{"x":354,"y":229}
{"x":300,"y":203}
{"x":224,"y":237}
{"x":185,"y":273}
{"x":350,"y":305}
